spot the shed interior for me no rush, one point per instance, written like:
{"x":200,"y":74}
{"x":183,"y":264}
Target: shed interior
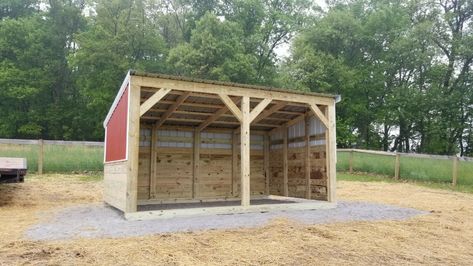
{"x":193,"y":154}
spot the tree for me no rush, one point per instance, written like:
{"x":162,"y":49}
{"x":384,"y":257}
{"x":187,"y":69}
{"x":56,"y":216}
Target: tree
{"x":120,"y":37}
{"x":214,"y":52}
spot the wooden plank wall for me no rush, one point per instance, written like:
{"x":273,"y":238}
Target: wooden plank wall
{"x":144,"y":162}
{"x":115,"y":182}
{"x":257,"y":175}
{"x":296,"y":170}
{"x":174,"y":166}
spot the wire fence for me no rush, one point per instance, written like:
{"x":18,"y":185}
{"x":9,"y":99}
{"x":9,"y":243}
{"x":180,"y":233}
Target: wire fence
{"x":421,"y":167}
{"x":81,"y":156}
{"x":55,"y":156}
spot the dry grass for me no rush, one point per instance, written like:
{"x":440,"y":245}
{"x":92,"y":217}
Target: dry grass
{"x":443,"y":237}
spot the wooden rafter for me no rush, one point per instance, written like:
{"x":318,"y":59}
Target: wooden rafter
{"x":214,"y":117}
{"x":318,"y":113}
{"x":231,"y":106}
{"x":259,"y":108}
{"x":195,"y":113}
{"x":173,"y":108}
{"x":289,"y":123}
{"x":199,"y":121}
{"x":153,"y":100}
{"x":268,"y":112}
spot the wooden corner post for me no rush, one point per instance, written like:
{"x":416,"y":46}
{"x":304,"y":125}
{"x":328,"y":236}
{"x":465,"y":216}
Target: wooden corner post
{"x":133,"y":148}
{"x":245,"y":151}
{"x":332,"y":152}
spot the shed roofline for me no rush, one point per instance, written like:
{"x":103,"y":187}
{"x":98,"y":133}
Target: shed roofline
{"x":126,"y":81}
{"x":230,"y":84}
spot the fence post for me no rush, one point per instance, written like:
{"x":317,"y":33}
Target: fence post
{"x":350,"y":161}
{"x":454,"y":171}
{"x":397,"y":166}
{"x":40,"y":156}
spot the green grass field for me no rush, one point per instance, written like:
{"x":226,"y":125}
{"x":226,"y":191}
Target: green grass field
{"x":417,"y":169}
{"x":58,"y":158}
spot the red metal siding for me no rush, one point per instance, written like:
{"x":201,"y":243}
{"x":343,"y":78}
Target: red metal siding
{"x":116,"y":136}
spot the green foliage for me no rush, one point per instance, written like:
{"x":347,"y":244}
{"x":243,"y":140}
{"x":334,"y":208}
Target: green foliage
{"x":214,"y":52}
{"x":393,"y":64}
{"x":404,"y":69}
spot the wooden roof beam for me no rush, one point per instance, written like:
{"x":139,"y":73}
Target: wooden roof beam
{"x":199,"y":121}
{"x":151,"y":101}
{"x":157,"y":110}
{"x":173,"y":108}
{"x":231,"y":106}
{"x":259,"y":108}
{"x":269,"y":112}
{"x":289,"y":123}
{"x":215,"y":116}
{"x":318,"y":113}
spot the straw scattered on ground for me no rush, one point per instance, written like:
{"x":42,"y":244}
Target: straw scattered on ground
{"x":445,"y":236}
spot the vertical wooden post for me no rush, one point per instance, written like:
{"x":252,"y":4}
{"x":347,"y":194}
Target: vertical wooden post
{"x":307,"y":157}
{"x":153,"y":159}
{"x":284,"y":164}
{"x":133,"y":149}
{"x":266,"y":163}
{"x":331,"y":138}
{"x":40,"y":156}
{"x":234,"y":163}
{"x":350,"y":161}
{"x":397,"y":166}
{"x":245,"y":151}
{"x":196,"y":162}
{"x":455,"y":171}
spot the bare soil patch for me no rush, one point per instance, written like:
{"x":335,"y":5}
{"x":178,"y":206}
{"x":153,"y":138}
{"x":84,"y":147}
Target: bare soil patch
{"x":445,"y":236}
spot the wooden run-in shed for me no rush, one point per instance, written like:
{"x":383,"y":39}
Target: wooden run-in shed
{"x":182,"y":146}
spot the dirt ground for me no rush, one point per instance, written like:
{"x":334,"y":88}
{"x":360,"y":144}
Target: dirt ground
{"x":445,"y":236}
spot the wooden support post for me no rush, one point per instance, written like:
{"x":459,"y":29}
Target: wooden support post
{"x":133,"y":149}
{"x":350,"y":162}
{"x":455,"y":171}
{"x":284,"y":164}
{"x":266,"y":153}
{"x":308,"y":191}
{"x":245,"y":151}
{"x":331,"y":152}
{"x":397,"y":166}
{"x":234,"y":163}
{"x":40,"y":156}
{"x":153,"y":159}
{"x":196,"y":162}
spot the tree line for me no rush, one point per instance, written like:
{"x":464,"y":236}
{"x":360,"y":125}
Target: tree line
{"x":403,"y":68}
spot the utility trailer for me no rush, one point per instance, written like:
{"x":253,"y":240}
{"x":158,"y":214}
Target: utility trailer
{"x":12,"y":170}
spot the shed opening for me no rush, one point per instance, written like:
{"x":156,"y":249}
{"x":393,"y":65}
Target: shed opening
{"x":198,"y":146}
